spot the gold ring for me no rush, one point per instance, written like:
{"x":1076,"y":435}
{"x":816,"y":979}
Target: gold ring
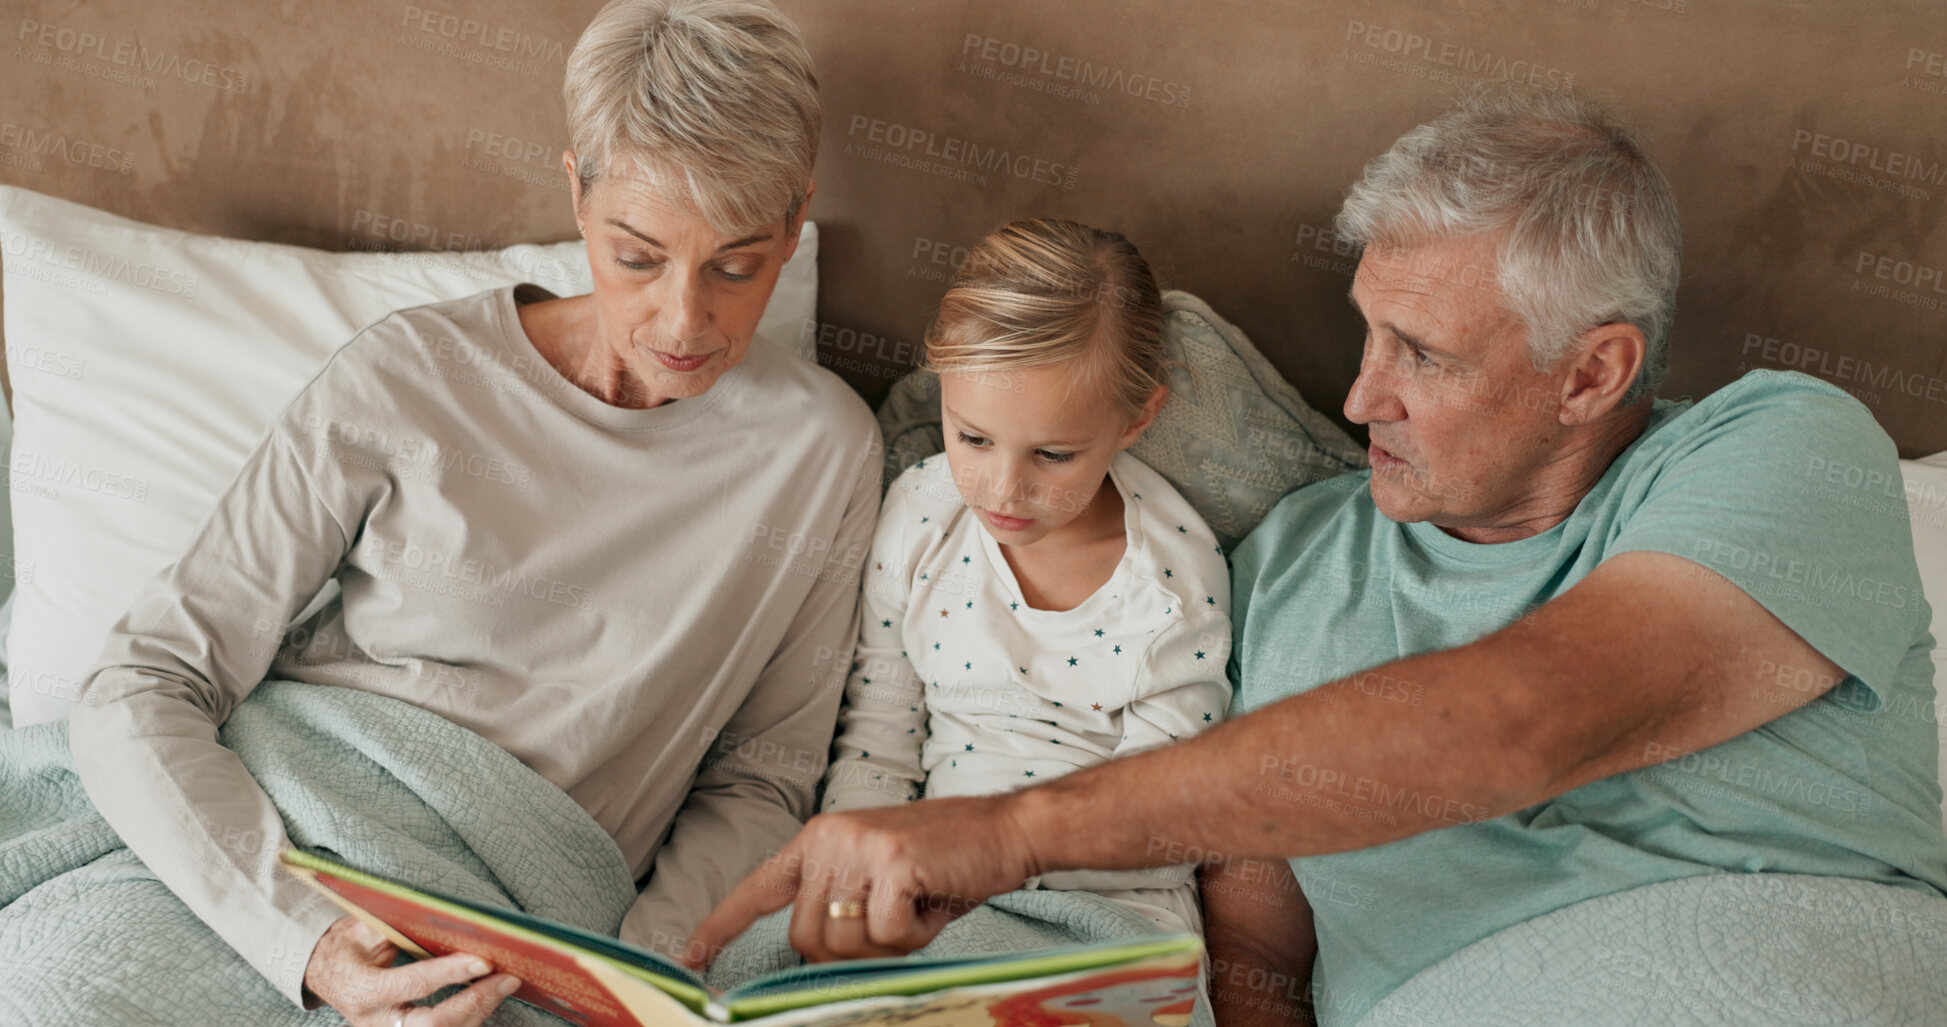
{"x":845,"y":909}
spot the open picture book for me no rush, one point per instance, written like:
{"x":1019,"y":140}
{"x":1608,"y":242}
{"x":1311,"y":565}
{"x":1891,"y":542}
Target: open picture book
{"x":588,"y":978}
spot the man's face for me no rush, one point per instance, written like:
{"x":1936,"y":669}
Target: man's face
{"x":1460,"y":419}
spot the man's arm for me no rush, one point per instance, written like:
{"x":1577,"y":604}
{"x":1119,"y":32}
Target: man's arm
{"x":1257,"y":927}
{"x":1649,"y":657}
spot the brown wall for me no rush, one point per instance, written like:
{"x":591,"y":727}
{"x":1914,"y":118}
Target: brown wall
{"x":1807,"y":142}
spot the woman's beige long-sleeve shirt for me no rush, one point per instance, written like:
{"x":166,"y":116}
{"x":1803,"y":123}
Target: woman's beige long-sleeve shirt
{"x":654,"y":609}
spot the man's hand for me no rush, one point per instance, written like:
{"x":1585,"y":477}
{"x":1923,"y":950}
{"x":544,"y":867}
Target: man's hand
{"x":351,"y":969}
{"x":912,"y":867}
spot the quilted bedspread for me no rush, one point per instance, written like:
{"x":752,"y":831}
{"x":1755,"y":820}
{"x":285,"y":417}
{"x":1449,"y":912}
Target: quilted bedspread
{"x":1765,"y":950}
{"x":88,"y":936}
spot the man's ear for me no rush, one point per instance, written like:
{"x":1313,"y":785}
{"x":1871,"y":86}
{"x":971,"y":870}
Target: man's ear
{"x":796,"y":226}
{"x":1151,"y":407}
{"x":1609,"y":357}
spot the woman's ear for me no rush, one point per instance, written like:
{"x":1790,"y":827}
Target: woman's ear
{"x":1151,"y":407}
{"x":795,"y":227}
{"x":574,"y":187}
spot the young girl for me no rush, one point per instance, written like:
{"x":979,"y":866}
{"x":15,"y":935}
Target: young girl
{"x":1038,"y":601}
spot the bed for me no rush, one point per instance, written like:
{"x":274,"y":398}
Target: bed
{"x":1218,"y":136}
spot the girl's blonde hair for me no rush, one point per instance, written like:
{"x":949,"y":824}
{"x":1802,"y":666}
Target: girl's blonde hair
{"x":713,"y":101}
{"x":1043,"y":291}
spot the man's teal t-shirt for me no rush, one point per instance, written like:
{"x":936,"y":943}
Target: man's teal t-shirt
{"x":1779,"y":482}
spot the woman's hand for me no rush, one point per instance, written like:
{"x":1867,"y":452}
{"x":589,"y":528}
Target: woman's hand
{"x":909,"y":869}
{"x":351,"y":969}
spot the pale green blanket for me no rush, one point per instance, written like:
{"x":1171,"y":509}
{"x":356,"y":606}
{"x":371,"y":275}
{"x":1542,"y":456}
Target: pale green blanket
{"x":89,"y":937}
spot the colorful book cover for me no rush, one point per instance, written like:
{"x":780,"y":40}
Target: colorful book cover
{"x":598,"y":981}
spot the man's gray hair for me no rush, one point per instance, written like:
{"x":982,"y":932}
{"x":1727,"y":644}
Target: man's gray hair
{"x":1592,"y":232}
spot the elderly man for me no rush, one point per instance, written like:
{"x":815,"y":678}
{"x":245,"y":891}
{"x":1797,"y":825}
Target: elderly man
{"x":1459,"y":671}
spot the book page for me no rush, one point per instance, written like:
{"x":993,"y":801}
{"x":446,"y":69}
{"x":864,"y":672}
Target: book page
{"x":1157,"y":992}
{"x":644,"y":1001}
{"x":826,"y":983}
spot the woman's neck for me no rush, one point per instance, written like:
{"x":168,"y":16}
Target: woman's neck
{"x":568,"y":334}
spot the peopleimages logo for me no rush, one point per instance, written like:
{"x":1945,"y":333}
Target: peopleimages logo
{"x":28,"y":467}
{"x":404,"y":453}
{"x":1924,"y":286}
{"x":1426,"y":51}
{"x":113,"y":267}
{"x":896,"y":143}
{"x":469,"y":31}
{"x":403,"y":230}
{"x":1839,"y":367}
{"x":1758,"y":779}
{"x":91,"y":47}
{"x":57,"y":147}
{"x":1028,"y":60}
{"x":1727,"y":557}
{"x":407,"y":562}
{"x":1870,"y":157}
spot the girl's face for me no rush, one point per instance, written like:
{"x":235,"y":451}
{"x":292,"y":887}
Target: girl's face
{"x":1027,"y":460}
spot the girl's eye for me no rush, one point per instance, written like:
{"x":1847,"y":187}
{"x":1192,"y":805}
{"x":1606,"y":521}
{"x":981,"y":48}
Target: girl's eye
{"x":737,"y":275}
{"x":971,"y":440}
{"x":1055,"y":458}
{"x":638,"y":265}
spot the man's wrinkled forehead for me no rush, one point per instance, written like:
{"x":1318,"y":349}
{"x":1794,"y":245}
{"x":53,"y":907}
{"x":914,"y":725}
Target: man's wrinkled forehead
{"x":1440,"y":266}
{"x":1443,"y":293}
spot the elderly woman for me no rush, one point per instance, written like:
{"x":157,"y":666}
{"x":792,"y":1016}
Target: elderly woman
{"x":1461,"y":673}
{"x":607,"y":620}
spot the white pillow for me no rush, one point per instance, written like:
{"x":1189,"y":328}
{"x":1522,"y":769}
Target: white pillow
{"x":147,"y":362}
{"x":1926,"y":500}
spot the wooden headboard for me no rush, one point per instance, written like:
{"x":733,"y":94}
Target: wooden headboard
{"x":1807,"y":142}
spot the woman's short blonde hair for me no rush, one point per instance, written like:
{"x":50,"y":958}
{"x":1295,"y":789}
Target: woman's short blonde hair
{"x":1043,"y":291}
{"x":714,"y":101}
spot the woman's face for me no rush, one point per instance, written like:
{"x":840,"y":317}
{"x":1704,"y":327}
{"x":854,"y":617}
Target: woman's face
{"x":676,"y":300}
{"x":1027,"y":457}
